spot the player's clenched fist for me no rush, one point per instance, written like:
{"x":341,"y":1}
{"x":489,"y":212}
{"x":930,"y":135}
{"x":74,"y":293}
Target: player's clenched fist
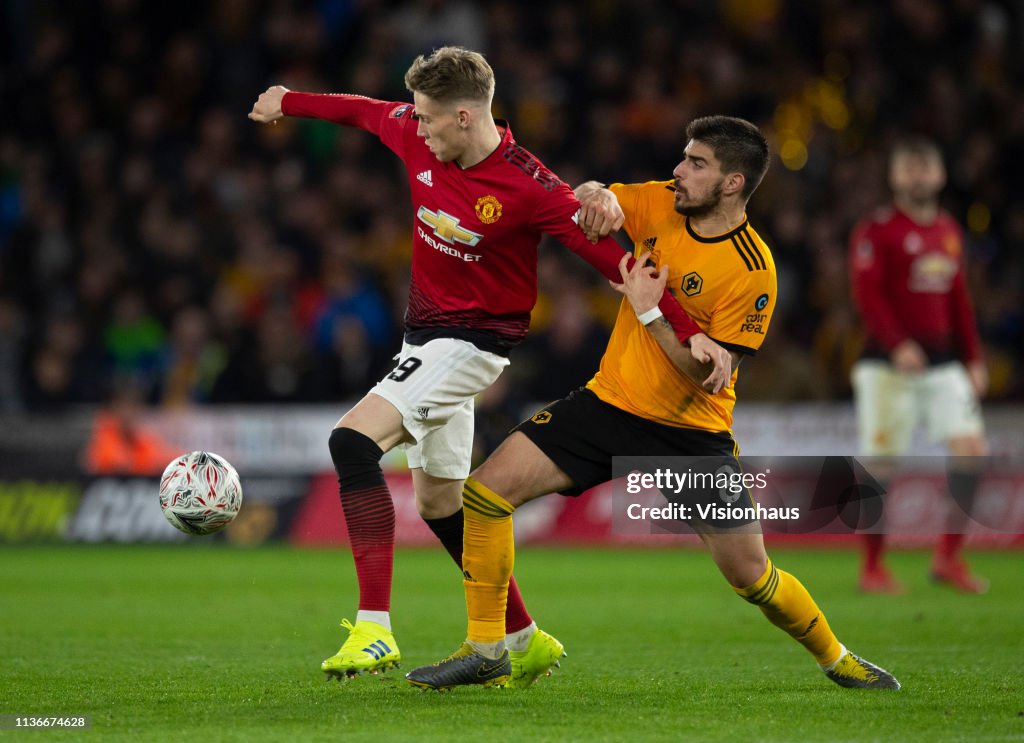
{"x":268,"y":106}
{"x":600,"y":212}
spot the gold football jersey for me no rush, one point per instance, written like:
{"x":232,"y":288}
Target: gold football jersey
{"x":727,"y":285}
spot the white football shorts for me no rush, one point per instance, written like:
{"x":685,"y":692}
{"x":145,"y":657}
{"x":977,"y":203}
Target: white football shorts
{"x":433,"y":387}
{"x":891,"y":403}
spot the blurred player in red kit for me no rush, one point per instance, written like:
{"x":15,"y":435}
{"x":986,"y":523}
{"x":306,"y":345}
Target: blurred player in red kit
{"x":922,"y":360}
{"x":481,"y":203}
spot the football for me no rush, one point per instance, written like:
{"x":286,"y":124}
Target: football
{"x":200,"y":493}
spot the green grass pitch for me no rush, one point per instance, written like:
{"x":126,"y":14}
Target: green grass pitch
{"x":208,"y":643}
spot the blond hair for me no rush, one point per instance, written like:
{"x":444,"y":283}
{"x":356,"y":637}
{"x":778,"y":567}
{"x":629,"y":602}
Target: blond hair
{"x":451,"y":74}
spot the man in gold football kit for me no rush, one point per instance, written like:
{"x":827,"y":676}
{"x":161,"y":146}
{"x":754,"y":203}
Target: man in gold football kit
{"x":648,"y":398}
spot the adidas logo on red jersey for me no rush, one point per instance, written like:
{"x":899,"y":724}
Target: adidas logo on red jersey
{"x":425,"y":177}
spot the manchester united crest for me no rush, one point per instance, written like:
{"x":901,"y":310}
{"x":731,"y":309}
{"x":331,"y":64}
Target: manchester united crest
{"x":488,"y":209}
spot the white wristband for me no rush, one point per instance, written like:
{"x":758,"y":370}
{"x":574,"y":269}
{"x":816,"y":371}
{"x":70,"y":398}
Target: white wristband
{"x":650,"y":316}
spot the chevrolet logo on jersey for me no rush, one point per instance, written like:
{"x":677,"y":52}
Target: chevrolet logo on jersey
{"x":447,"y":227}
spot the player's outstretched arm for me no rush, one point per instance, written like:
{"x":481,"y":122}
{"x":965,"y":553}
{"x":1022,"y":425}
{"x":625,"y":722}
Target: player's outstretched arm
{"x":368,"y":114}
{"x":267,"y":108}
{"x":705,"y":362}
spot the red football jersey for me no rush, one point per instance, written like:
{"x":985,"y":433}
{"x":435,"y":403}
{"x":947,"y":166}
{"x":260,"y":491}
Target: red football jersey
{"x":908,"y":281}
{"x":476,"y":230}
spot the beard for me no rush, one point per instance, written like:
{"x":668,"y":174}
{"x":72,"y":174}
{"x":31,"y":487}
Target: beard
{"x":701,"y":208}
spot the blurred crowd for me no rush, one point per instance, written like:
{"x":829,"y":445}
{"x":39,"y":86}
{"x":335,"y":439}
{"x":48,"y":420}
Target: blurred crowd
{"x":152,"y":238}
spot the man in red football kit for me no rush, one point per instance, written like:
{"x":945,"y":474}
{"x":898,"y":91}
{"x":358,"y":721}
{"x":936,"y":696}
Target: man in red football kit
{"x":922,"y":358}
{"x":481,"y":203}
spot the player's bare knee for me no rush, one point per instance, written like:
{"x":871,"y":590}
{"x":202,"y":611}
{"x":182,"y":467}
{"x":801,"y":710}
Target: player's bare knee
{"x":744,"y":573}
{"x":749,"y":576}
{"x":519,"y":471}
{"x":741,"y":564}
{"x":437,"y":500}
{"x":501,"y":482}
{"x":429,"y":509}
{"x":499,"y":474}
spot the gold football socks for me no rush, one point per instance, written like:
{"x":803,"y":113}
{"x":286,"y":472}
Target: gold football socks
{"x":788,"y":605}
{"x":487,"y":558}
